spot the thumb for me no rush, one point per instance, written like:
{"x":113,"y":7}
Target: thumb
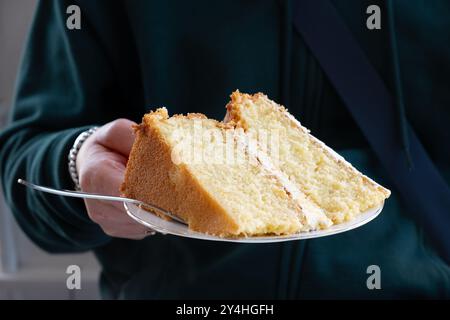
{"x":117,"y":135}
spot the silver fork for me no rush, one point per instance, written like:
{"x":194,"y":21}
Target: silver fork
{"x":96,"y":196}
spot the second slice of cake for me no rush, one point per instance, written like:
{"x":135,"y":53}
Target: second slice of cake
{"x":324,"y":176}
{"x":211,"y":175}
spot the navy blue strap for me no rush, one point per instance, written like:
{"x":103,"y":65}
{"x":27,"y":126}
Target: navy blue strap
{"x":366,"y":97}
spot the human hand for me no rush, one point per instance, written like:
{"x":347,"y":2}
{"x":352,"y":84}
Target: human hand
{"x":101,"y":164}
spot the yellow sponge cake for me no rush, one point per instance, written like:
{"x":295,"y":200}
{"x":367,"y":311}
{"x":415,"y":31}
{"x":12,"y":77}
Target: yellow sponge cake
{"x":321,"y":174}
{"x":258,"y":172}
{"x":212,"y":176}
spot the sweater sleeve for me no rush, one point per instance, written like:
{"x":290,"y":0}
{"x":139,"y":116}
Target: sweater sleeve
{"x":67,"y":83}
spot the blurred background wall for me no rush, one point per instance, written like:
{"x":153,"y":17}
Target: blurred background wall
{"x":15,"y":18}
{"x":26,"y":272}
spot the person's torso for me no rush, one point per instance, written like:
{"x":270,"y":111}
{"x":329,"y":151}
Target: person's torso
{"x":189,"y":56}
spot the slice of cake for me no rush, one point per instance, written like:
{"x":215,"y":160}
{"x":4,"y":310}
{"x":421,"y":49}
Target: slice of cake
{"x":212,"y":176}
{"x":321,"y":174}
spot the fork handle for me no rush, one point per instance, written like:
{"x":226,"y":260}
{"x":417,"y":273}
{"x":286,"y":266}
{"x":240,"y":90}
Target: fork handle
{"x":96,"y":196}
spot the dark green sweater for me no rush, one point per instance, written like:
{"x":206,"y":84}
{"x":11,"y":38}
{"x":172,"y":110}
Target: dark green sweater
{"x":131,"y":56}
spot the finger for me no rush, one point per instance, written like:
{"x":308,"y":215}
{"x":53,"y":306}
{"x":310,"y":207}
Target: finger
{"x":105,"y":176}
{"x":104,"y":213}
{"x":100,"y":152}
{"x":109,"y":212}
{"x":115,"y":222}
{"x":137,"y":234}
{"x":117,"y":135}
{"x":126,"y":231}
{"x":111,"y":218}
{"x":146,"y":234}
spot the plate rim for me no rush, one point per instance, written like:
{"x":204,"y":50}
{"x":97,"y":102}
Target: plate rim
{"x":355,"y":223}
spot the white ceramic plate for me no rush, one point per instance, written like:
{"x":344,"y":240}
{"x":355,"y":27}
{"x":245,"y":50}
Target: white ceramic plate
{"x":178,"y":229}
